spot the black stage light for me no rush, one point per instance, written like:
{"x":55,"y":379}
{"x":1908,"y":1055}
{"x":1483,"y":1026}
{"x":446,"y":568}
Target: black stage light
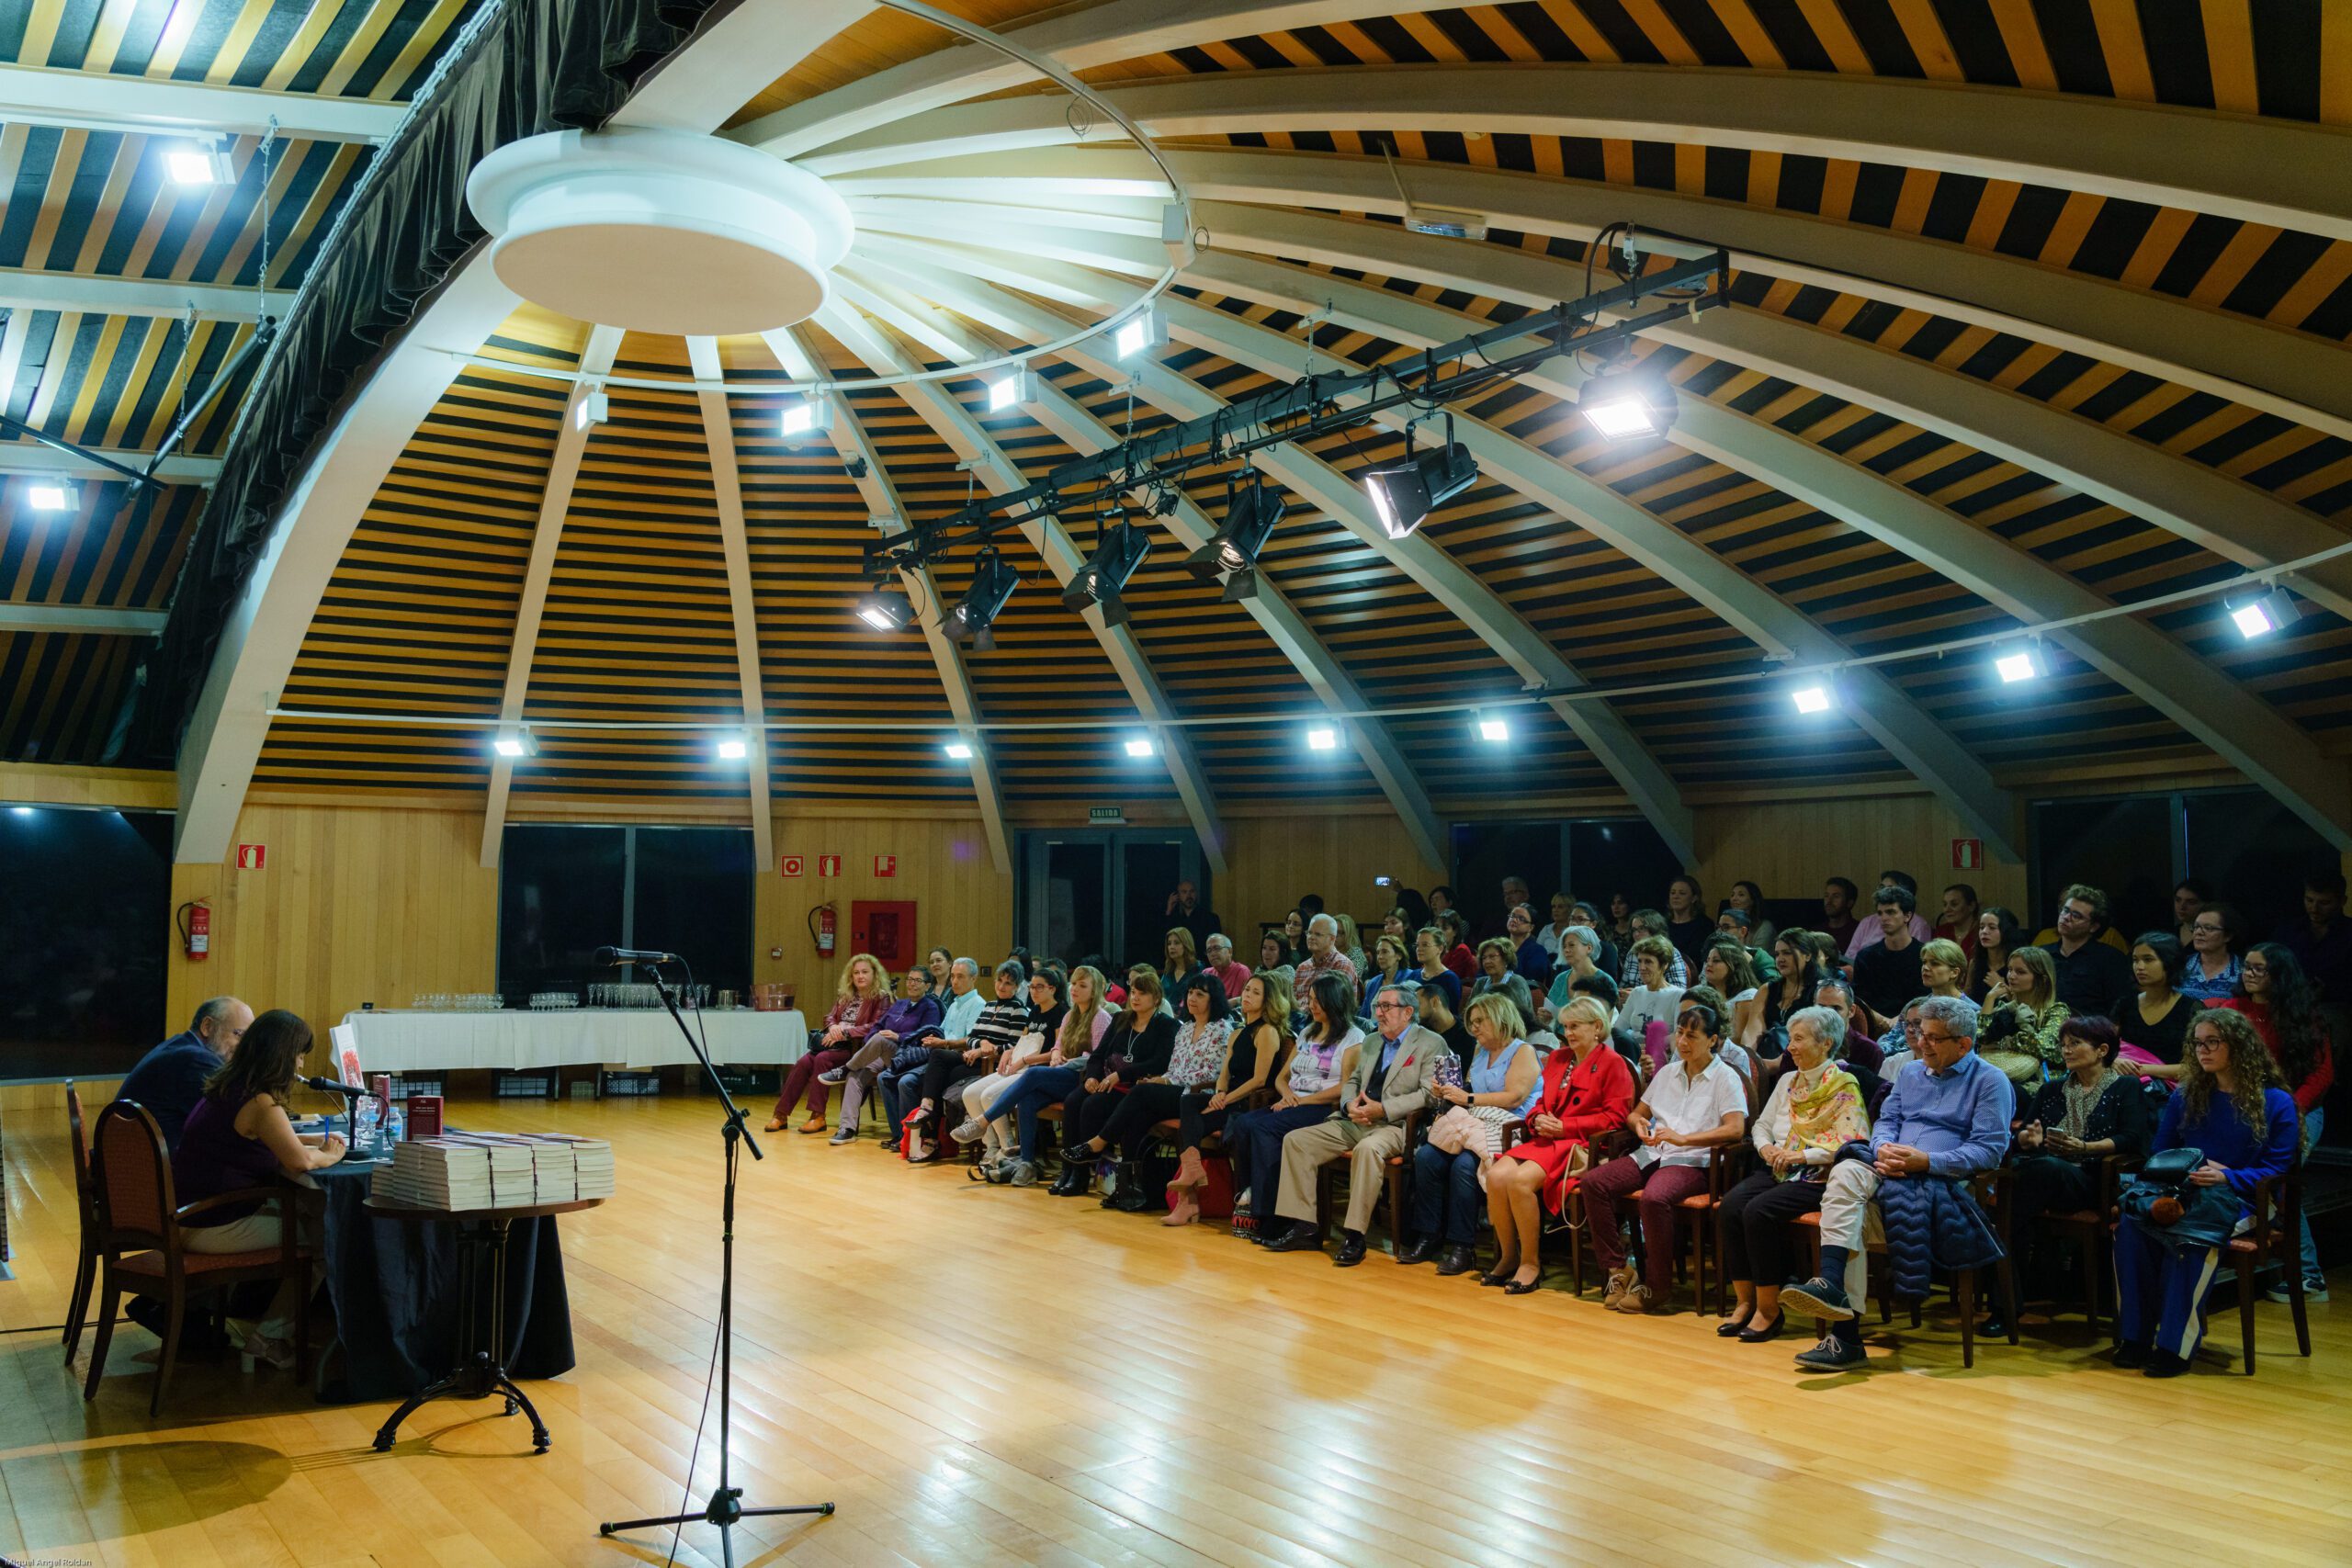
{"x":1105,"y":573}
{"x":886,"y":610}
{"x":993,"y":581}
{"x":1250,"y":518}
{"x":1405,"y":493}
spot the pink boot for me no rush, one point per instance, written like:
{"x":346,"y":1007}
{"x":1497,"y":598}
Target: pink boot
{"x":1184,"y":1211}
{"x":1190,"y":1172}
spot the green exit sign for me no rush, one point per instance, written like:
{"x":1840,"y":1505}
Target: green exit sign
{"x":1107,"y":814}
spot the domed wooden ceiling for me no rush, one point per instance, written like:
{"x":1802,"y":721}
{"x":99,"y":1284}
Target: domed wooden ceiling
{"x":2039,"y":308}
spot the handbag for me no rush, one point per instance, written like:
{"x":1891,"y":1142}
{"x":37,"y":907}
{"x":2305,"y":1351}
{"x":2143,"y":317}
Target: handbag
{"x":2168,"y":1167}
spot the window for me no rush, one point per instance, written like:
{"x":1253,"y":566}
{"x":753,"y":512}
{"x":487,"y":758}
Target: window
{"x":565,"y":891}
{"x":85,"y":896}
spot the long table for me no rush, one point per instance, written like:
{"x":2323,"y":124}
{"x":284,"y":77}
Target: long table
{"x":638,"y":1038}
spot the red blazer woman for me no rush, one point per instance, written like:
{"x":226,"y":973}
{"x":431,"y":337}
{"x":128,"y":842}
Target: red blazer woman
{"x":1590,"y":1097}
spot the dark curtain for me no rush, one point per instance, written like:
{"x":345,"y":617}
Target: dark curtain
{"x":540,"y":65}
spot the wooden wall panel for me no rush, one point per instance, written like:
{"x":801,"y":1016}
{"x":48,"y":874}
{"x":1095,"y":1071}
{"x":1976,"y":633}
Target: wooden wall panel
{"x":1791,"y":847}
{"x":1275,"y":859}
{"x":961,"y":900}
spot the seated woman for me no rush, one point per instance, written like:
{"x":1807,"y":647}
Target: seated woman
{"x":1351,"y":942}
{"x":1998,"y":934}
{"x":1136,"y":1046}
{"x":903,"y":1026}
{"x":1503,"y":1078}
{"x":1178,"y":961}
{"x":2153,"y":1019}
{"x":1816,"y":1109}
{"x":1050,"y":1080}
{"x":1755,"y":1022}
{"x":2210,"y":969}
{"x":1454,"y":935}
{"x":1048,"y":1009}
{"x":2231,"y":1107}
{"x":1580,"y":958}
{"x":1498,"y":976}
{"x":1389,"y":967}
{"x":1943,"y":967}
{"x":1652,"y":999}
{"x":1433,"y":973}
{"x":859,"y":1002}
{"x":1254,"y":1057}
{"x":2282,"y":1004}
{"x":2022,"y":1017}
{"x":238,"y":1136}
{"x":936,"y":966}
{"x":1693,"y":1106}
{"x":1196,"y":1060}
{"x":2073,"y":1123}
{"x":1273,"y":953}
{"x":1749,"y":898}
{"x":1586,"y":1090}
{"x":999,"y":1025}
{"x":1295,"y":938}
{"x":1319,"y":1064}
{"x":1730,"y":968}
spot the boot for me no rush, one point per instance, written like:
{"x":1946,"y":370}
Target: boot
{"x":1190,"y":1172}
{"x":1131,"y":1198}
{"x":1184,"y":1211}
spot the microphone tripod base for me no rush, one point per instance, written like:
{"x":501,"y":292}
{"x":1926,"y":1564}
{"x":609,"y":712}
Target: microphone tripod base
{"x":725,"y":1509}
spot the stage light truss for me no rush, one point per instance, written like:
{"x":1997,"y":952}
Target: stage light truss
{"x":1310,"y":407}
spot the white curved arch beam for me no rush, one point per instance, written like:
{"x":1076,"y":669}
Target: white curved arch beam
{"x":1463,"y":593}
{"x":2288,"y":174}
{"x":955,"y":424}
{"x":1238,"y":190}
{"x":889,"y":515}
{"x":1104,"y":35}
{"x":538,"y":571}
{"x":263,"y":631}
{"x":727,"y":496}
{"x":2240,"y":728}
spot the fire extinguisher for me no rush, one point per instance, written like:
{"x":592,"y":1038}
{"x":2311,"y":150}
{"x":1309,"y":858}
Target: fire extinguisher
{"x":822,"y":922}
{"x":196,"y":928}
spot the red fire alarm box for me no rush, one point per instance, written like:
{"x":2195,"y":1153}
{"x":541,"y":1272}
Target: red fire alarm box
{"x":884,"y":928}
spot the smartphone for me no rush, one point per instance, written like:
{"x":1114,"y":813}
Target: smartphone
{"x":1383,"y":882}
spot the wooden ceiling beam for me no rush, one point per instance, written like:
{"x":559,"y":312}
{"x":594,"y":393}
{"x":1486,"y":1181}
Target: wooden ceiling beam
{"x":64,"y":291}
{"x":726,"y":493}
{"x":106,"y":100}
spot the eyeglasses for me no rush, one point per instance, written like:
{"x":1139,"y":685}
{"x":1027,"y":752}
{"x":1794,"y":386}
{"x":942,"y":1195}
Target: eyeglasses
{"x":1392,"y":1007}
{"x":2204,"y":928}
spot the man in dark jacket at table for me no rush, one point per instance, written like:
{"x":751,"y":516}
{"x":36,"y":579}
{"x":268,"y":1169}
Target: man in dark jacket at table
{"x":169,"y":1080}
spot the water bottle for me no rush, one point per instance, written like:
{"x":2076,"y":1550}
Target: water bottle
{"x":365,"y":1113}
{"x":396,"y":1125}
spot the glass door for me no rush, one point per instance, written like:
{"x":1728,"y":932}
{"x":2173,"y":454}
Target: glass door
{"x":1100,"y":896}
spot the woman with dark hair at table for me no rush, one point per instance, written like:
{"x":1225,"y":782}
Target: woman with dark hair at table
{"x":2072,"y":1123}
{"x":2279,"y":998}
{"x":239,"y":1136}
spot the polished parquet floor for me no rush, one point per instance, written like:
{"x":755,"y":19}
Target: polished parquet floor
{"x":983,"y":1375}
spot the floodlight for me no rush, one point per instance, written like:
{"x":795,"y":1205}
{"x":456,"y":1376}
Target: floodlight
{"x":1106,"y":571}
{"x":1405,"y":493}
{"x":1627,"y":405}
{"x":993,"y":581}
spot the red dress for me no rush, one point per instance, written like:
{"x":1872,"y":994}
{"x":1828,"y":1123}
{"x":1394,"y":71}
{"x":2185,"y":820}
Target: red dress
{"x":1591,"y":1096}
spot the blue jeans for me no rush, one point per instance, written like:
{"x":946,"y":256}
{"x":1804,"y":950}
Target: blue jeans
{"x":1259,"y":1135}
{"x":2313,"y":1120}
{"x":1031,"y":1092}
{"x":2157,"y":1293}
{"x":1445,"y":1195}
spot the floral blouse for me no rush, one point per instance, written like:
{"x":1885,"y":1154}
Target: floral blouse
{"x":1200,"y":1053}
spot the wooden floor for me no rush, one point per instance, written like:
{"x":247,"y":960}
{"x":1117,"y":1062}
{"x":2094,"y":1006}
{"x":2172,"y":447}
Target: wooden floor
{"x":983,"y":1375}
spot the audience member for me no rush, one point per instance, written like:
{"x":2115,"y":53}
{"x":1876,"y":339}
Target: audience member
{"x":1186,"y":910}
{"x":1434,"y":974}
{"x":1735,"y":924}
{"x":1217,"y":952}
{"x":1049,"y":1011}
{"x":1757,"y":1021}
{"x":1180,"y":960}
{"x":1051,"y":1081}
{"x":1693,"y":1106}
{"x":168,"y":1081}
{"x":2022,"y":1017}
{"x":1580,"y":958}
{"x":1390,"y":966}
{"x":1588,"y":1091}
{"x":903,"y":1026}
{"x":1730,"y":969}
{"x":1688,"y":924}
{"x":1273,"y":953}
{"x":1324,"y":957}
{"x":1442,"y":901}
{"x":1943,"y":968}
{"x":2073,"y":1123}
{"x":1319,"y":1064}
{"x":860,"y":998}
{"x":900,"y":1082}
{"x":2321,"y":939}
{"x":1749,"y":898}
{"x":1653,"y":998}
{"x":1998,"y":934}
{"x":1497,"y":975}
{"x":1252,"y":1060}
{"x":1439,"y":1018}
{"x":1458,"y":956}
{"x":1946,"y":1119}
{"x":2154,"y":1018}
{"x":954,"y":1062}
{"x":1815,"y":1110}
{"x":1136,"y":1046}
{"x":2189,"y":895}
{"x":1501,"y":1082}
{"x":1515,"y":892}
{"x":2209,"y":971}
{"x":2231,"y":1108}
{"x":1530,"y":957}
{"x":1956,"y":920}
{"x":1295,"y":938}
{"x":938,"y":965}
{"x":1906,"y":887}
{"x":2093,"y":968}
{"x":1838,"y":922}
{"x":2277,"y":998}
{"x":1886,"y":972}
{"x":1618,"y":930}
{"x":1562,"y":915}
{"x":1350,"y":943}
{"x":1193,"y":1064}
{"x":1648,"y":923}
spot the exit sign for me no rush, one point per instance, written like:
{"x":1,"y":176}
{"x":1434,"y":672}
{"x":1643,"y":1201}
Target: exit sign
{"x":1107,"y":814}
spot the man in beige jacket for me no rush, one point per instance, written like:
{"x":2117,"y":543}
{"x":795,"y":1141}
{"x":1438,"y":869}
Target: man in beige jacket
{"x":1400,"y":1060}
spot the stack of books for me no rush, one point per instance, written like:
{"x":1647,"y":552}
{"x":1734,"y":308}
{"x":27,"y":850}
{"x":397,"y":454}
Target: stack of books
{"x":571,"y":1166}
{"x":513,"y":1171}
{"x":496,"y":1170}
{"x":435,"y":1173}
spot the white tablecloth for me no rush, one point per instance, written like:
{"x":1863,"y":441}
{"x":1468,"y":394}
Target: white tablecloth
{"x":440,"y":1041}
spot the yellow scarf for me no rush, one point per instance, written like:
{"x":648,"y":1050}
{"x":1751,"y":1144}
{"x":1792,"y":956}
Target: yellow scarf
{"x":1825,"y":1114}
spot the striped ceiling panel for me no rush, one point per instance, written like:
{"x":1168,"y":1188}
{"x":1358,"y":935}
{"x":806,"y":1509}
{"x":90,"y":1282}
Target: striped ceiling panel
{"x":1821,"y":503}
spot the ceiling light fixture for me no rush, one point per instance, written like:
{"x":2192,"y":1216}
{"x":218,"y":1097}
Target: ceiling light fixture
{"x":49,"y":495}
{"x":1405,"y":493}
{"x":594,"y":407}
{"x":201,"y":164}
{"x":886,"y":610}
{"x":1106,"y":571}
{"x":1811,"y":699}
{"x":516,"y":743}
{"x":961,"y":751}
{"x":805,"y":416}
{"x":1627,"y":405}
{"x":1493,"y":729}
{"x":1322,"y":737}
{"x":733,"y":749}
{"x":1017,"y":389}
{"x":993,"y":581}
{"x":2017,"y":664}
{"x":2270,"y":611}
{"x":1139,"y":746}
{"x":1139,"y":333}
{"x":1249,"y":517}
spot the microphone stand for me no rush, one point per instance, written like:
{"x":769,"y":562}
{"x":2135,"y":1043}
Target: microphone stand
{"x":726,"y":1507}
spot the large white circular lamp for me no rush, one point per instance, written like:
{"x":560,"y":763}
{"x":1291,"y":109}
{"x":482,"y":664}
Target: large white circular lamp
{"x":660,"y":230}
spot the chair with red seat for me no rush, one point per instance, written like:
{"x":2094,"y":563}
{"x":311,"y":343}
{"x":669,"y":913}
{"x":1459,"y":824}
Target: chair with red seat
{"x":141,"y":1248}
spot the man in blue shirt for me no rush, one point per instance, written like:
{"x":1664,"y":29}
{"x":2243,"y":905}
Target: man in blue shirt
{"x":1948,"y":1115}
{"x":169,"y":1080}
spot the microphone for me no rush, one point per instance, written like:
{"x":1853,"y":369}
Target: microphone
{"x":608,"y":956}
{"x":336,"y":1086}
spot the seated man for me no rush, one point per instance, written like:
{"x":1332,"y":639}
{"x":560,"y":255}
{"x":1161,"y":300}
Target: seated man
{"x":1946,"y":1119}
{"x":1402,"y":1063}
{"x":169,"y":1080}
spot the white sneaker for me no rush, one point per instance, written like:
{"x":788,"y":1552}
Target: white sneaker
{"x":969,"y":1130}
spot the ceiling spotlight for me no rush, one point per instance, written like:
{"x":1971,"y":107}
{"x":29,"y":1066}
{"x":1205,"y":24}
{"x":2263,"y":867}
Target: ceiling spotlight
{"x":1018,"y":389}
{"x":2272,"y":611}
{"x":1106,"y":571}
{"x":1493,"y":729}
{"x":805,"y":416}
{"x":47,"y":495}
{"x":993,"y":581}
{"x":1811,"y":699}
{"x":513,"y":743}
{"x":1322,"y":737}
{"x":960,"y":749}
{"x":1627,"y":405}
{"x":1139,"y":746}
{"x":1250,"y":518}
{"x":886,"y":610}
{"x":201,"y":164}
{"x":2021,"y":664}
{"x":1139,"y":333}
{"x":1405,"y":494}
{"x":733,"y":749}
{"x":595,"y":408}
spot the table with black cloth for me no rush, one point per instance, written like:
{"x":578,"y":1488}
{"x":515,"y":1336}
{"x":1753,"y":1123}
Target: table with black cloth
{"x":394,"y":1286}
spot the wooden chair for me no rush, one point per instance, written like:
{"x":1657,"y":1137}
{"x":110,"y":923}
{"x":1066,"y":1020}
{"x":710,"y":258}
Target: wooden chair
{"x":2273,"y":1240}
{"x":1695,"y":1216}
{"x":141,"y":1248}
{"x":1391,"y":1186}
{"x":2092,"y":1232}
{"x":1985,"y":1185}
{"x":85,"y":1268}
